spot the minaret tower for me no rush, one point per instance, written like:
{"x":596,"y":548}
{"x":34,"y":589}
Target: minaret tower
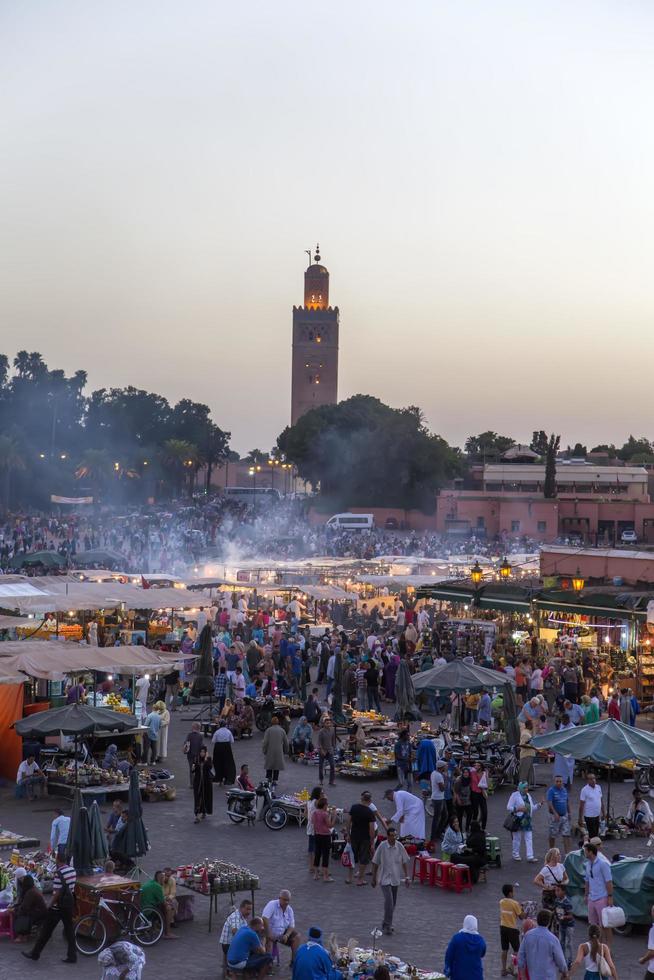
{"x":314,"y":378}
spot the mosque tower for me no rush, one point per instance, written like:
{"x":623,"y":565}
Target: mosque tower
{"x":314,"y":378}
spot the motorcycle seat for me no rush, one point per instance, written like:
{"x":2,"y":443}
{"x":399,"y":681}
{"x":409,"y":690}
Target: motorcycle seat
{"x":242,"y":794}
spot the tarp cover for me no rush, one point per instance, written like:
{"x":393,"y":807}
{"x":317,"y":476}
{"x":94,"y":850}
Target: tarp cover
{"x":633,"y":886}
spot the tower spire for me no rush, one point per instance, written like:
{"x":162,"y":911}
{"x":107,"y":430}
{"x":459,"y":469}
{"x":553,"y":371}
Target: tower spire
{"x":317,"y":255}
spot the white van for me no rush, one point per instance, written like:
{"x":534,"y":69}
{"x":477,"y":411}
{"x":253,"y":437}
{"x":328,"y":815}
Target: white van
{"x":352,"y":522}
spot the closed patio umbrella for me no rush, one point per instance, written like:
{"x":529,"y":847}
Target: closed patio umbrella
{"x":99,"y":848}
{"x":81,"y":845}
{"x":405,"y":695}
{"x":203,"y":683}
{"x":132,"y":839}
{"x":337,"y":690}
{"x":461,"y":677}
{"x":78,"y":803}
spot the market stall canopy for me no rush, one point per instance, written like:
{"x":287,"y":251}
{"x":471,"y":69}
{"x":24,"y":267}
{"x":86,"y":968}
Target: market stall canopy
{"x":75,"y":719}
{"x":51,"y":660}
{"x":401,"y":582}
{"x":64,"y":593}
{"x":330,"y":592}
{"x":461,"y":677}
{"x":606,"y":742}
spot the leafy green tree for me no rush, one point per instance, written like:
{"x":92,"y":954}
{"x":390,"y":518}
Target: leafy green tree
{"x":368,"y":454}
{"x":551,"y":450}
{"x":256,"y":457}
{"x":487,"y":446}
{"x":635,"y":447}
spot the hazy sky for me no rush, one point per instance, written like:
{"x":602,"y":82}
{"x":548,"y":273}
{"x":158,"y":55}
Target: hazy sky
{"x":478,"y":173}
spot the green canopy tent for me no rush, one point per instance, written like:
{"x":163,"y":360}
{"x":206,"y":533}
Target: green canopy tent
{"x":608,"y":743}
{"x":49,"y":559}
{"x":99,"y":849}
{"x":465,"y":677}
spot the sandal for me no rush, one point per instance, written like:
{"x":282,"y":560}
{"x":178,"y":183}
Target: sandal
{"x":327,"y":880}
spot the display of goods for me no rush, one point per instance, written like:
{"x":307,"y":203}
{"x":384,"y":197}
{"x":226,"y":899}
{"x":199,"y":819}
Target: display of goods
{"x":217,"y":876}
{"x":360,"y":963}
{"x":368,"y":716}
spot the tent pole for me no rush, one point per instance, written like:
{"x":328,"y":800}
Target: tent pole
{"x":75,"y":746}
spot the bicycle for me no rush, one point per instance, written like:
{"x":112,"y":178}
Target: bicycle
{"x":146,"y":927}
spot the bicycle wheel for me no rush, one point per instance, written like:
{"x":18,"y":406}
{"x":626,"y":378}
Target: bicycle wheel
{"x":90,"y":935}
{"x":148,"y":927}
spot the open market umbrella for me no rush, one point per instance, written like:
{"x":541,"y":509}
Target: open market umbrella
{"x":203,"y":683}
{"x":99,"y":557}
{"x":81,"y":845}
{"x":607,"y":743}
{"x":76,"y":720}
{"x":78,"y":803}
{"x":407,"y":709}
{"x":99,"y":848}
{"x":132,"y":838}
{"x":49,"y":559}
{"x":461,"y":677}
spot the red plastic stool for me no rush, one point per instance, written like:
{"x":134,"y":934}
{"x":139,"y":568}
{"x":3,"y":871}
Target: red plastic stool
{"x":460,"y":878}
{"x":442,"y":874}
{"x":419,"y":869}
{"x":7,"y":923}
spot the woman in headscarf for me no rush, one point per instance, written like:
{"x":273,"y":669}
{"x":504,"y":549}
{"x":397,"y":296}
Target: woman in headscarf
{"x":465,"y":952}
{"x":162,"y":740}
{"x":522,"y":807}
{"x":30,"y":908}
{"x":224,"y":766}
{"x":202,"y":788}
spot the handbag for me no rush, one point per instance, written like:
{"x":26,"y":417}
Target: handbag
{"x":602,"y":965}
{"x":512,"y":822}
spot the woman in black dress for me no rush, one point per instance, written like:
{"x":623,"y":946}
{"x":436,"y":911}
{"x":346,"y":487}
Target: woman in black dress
{"x":474,"y":854}
{"x":202,"y":788}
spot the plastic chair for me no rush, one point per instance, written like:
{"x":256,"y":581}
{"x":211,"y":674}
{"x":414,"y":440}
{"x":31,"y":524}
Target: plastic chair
{"x":7,"y":923}
{"x":460,"y":878}
{"x":442,"y":874}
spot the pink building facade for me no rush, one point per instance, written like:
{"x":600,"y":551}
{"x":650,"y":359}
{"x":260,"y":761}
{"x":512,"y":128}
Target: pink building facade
{"x":508,"y":514}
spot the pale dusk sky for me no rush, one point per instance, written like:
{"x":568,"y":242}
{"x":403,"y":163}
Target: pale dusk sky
{"x":478,"y":175}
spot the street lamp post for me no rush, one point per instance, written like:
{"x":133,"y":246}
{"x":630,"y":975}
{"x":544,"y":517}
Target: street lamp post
{"x":253,"y":473}
{"x":505,"y":570}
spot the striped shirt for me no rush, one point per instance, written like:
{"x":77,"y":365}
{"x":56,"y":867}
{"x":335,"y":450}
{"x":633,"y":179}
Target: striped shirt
{"x":233,"y":923}
{"x":68,"y":874}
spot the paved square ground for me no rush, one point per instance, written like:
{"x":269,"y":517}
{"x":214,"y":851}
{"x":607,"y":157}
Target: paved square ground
{"x":425,"y":918}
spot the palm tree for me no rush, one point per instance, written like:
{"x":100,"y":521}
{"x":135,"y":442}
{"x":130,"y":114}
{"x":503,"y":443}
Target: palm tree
{"x":98,"y":467}
{"x":256,"y":456}
{"x":10,"y":460}
{"x":180,"y":457}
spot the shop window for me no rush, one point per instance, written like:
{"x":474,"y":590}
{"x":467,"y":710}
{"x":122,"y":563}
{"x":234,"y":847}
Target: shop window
{"x":542,"y":526}
{"x":515,"y":526}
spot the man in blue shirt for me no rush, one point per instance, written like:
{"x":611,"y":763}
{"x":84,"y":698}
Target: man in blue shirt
{"x":153,"y":724}
{"x":574,"y":712}
{"x":558,"y":805}
{"x":540,"y":951}
{"x":484,"y":709}
{"x":246,"y":950}
{"x":312,"y":961}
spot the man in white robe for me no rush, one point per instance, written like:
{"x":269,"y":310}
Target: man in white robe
{"x":409,"y":816}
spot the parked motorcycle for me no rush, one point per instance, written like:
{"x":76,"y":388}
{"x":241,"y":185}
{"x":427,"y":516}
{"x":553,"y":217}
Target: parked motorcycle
{"x":243,"y":805}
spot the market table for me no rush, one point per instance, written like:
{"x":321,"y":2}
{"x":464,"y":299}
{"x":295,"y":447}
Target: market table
{"x":59,"y":788}
{"x":9,"y":840}
{"x":222,"y":879}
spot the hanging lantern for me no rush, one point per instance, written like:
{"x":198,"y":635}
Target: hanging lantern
{"x":476,"y":573}
{"x":505,"y":569}
{"x":578,"y":581}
